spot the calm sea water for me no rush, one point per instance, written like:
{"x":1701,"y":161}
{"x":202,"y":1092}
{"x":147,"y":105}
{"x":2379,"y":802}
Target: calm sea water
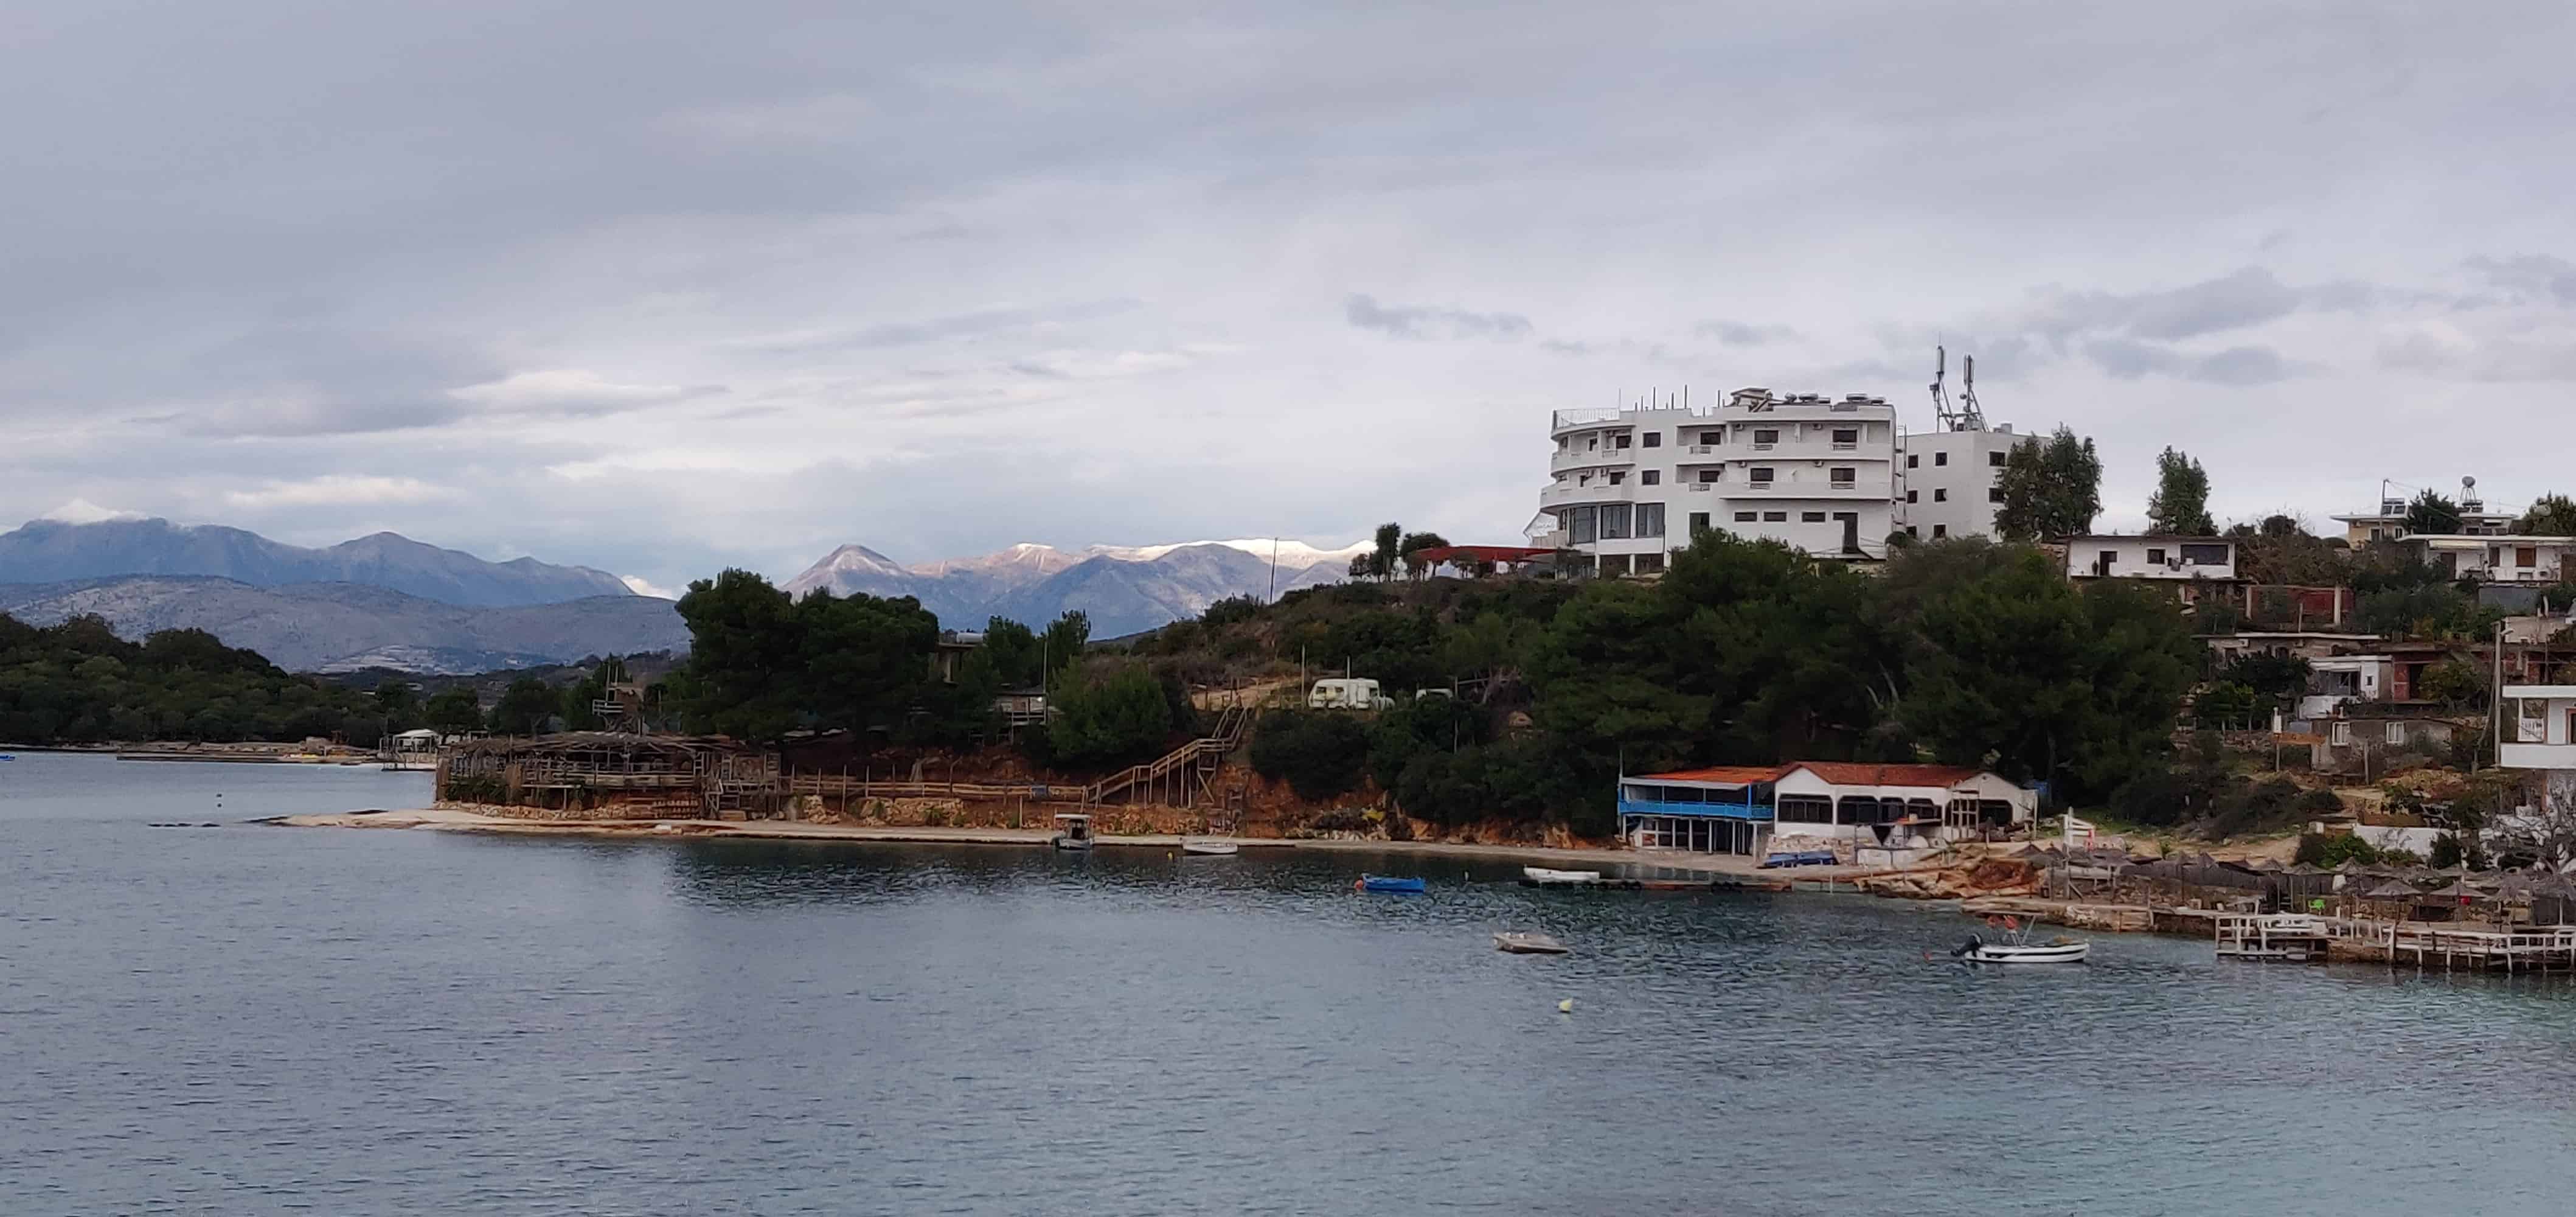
{"x":254,"y":1020}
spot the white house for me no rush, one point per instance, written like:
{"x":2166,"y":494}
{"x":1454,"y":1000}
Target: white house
{"x":1740,"y":809}
{"x":2497,"y":559}
{"x":2389,"y":522}
{"x":2538,"y":732}
{"x":1833,"y":477}
{"x":2150,"y":557}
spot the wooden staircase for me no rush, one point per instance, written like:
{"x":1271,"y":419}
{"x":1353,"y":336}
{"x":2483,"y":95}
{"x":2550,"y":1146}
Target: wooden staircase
{"x":1180,"y":777}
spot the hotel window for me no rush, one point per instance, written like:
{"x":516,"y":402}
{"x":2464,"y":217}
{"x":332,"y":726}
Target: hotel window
{"x":2155,"y":557}
{"x":1841,"y":477}
{"x":1775,"y":517}
{"x":1583,"y":522}
{"x":1622,"y":442}
{"x":1614,"y":521}
{"x":1744,"y":517}
{"x":1811,"y":517}
{"x":1617,"y":478}
{"x":1650,"y":477}
{"x":1771,"y":436}
{"x":1940,"y":458}
{"x":1910,"y":531}
{"x":1654,"y":439}
{"x":1698,"y":522}
{"x":1761,"y":475}
{"x":1713,"y":437}
{"x":1650,"y":519}
{"x":1913,"y":496}
{"x":1939,"y":531}
{"x":1710,"y":475}
{"x":1994,"y":494}
{"x":1913,"y":462}
{"x":1847,"y":437}
{"x":1938,"y":495}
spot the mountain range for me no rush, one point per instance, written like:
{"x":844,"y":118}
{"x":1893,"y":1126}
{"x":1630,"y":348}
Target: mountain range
{"x":329,"y":627}
{"x":51,"y":551}
{"x":1123,"y":589}
{"x":389,"y":601}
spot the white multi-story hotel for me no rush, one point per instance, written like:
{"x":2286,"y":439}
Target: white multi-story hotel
{"x":1832,"y":477}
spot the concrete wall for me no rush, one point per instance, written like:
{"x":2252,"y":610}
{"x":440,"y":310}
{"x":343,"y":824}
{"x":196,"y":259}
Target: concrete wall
{"x":1945,"y":481}
{"x":2130,"y":558}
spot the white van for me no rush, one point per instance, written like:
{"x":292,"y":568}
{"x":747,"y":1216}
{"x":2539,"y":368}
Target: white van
{"x":1348,"y":693}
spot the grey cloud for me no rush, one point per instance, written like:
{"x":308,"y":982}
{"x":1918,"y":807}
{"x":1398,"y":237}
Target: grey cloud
{"x":1421,"y":322}
{"x":978,"y":324}
{"x":1741,"y":334}
{"x":2530,"y":277}
{"x":2247,"y":297}
{"x":2125,"y":359}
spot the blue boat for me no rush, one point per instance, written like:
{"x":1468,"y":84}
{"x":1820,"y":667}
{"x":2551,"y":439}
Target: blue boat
{"x":1813,"y":857}
{"x":1388,"y":883}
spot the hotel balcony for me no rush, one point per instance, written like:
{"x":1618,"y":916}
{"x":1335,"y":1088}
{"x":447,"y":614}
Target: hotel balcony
{"x":1595,"y":458}
{"x":1553,"y":495}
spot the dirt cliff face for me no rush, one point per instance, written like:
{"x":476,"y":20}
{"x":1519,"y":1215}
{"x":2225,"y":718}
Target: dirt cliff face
{"x":1985,"y":877}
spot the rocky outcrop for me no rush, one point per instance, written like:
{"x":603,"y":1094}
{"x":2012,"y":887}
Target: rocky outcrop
{"x":1966,"y":881}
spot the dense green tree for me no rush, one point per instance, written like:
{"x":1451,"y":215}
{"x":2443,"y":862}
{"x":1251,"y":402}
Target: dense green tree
{"x":77,"y":682}
{"x":2550,"y":515}
{"x":1116,"y":714}
{"x":2180,"y":504}
{"x":1062,"y":643}
{"x":2051,"y":488}
{"x":746,"y":657}
{"x":863,"y":659}
{"x":454,"y":711}
{"x":527,"y":707}
{"x":1012,"y":648}
{"x":1319,"y":753}
{"x":2431,"y":514}
{"x":1412,"y":543}
{"x":398,"y":704}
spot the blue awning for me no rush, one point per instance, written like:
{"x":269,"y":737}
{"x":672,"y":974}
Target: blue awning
{"x":1723,"y":811}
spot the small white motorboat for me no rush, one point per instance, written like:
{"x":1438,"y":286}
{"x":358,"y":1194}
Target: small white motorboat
{"x":1541,"y":874}
{"x":1209,"y":849}
{"x":1528,"y":944}
{"x":2063,"y":951}
{"x":2018,"y":948}
{"x":1073,"y":831}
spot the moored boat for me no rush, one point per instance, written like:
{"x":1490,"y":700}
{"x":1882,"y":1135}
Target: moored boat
{"x":1072,"y":831}
{"x":1541,"y":874}
{"x":1528,"y":944}
{"x":2018,"y":948}
{"x":1209,"y":849}
{"x":1391,"y":884}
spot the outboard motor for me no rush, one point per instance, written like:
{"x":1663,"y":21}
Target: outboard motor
{"x":1968,"y":947}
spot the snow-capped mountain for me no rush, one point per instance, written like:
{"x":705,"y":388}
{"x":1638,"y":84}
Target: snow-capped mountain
{"x":1124,"y":588}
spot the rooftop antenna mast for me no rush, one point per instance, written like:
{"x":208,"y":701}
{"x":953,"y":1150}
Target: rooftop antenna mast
{"x":1971,"y":416}
{"x":1941,"y":396}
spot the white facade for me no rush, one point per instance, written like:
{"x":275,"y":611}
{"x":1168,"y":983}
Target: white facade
{"x":2150,"y":557}
{"x":2498,"y":559}
{"x":1949,"y":483}
{"x":1826,"y":476}
{"x":1856,"y":801}
{"x":2539,"y":731}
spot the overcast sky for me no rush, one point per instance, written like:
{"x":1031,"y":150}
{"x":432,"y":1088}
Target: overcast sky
{"x":660,"y":287}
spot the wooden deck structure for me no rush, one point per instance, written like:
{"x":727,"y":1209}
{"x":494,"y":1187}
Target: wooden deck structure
{"x":613,"y":775}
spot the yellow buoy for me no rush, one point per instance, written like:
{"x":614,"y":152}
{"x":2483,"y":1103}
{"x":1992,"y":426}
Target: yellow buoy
{"x":1566,"y":1006}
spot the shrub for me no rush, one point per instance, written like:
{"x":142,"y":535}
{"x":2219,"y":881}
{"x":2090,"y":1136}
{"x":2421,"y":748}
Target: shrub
{"x":1230,"y":610}
{"x":1319,"y":753}
{"x":2320,"y":800}
{"x":2333,"y":850}
{"x":1117,"y":718}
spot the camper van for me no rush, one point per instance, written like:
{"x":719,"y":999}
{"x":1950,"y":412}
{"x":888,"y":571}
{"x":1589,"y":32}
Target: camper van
{"x":1348,"y":693}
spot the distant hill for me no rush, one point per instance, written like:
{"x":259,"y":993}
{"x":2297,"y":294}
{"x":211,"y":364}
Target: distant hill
{"x":1124,"y":589}
{"x":338,"y":626}
{"x":51,"y":551}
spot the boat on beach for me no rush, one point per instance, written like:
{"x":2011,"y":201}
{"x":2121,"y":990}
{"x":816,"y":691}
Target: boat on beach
{"x":1072,"y":831}
{"x":1541,"y":874}
{"x":1390,"y":884}
{"x":1209,"y":849}
{"x":1528,"y":944}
